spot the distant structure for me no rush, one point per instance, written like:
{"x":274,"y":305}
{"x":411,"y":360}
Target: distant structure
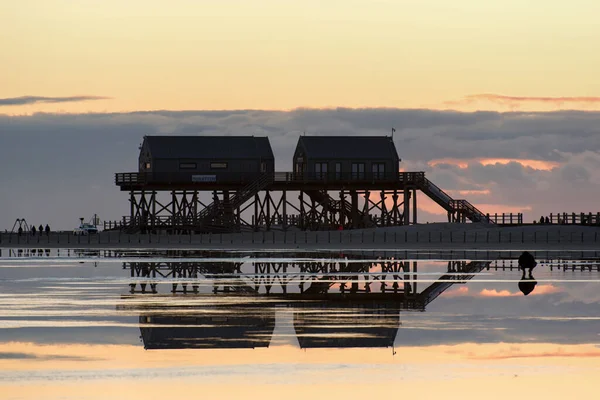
{"x":337,"y":182}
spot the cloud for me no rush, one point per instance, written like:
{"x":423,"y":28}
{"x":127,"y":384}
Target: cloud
{"x":23,"y":100}
{"x":539,"y":290}
{"x":497,"y":293}
{"x":515,"y":101}
{"x":40,"y":357}
{"x":534,"y":164}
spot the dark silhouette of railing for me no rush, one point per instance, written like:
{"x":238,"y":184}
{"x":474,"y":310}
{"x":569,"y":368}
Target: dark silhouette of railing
{"x":458,"y":207}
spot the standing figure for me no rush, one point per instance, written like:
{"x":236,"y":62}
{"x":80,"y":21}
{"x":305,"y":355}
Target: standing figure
{"x":32,"y":230}
{"x":47,"y":230}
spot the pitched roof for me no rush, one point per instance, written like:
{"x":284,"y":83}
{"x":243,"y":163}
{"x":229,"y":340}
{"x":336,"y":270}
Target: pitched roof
{"x":354,"y":147}
{"x":209,"y":147}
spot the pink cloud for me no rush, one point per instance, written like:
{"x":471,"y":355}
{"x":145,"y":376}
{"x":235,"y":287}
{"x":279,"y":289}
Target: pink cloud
{"x":516,"y":101}
{"x":459,"y":291}
{"x":497,"y":293}
{"x":539,"y":290}
{"x":541,"y":165}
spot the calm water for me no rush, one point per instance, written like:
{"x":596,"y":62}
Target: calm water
{"x":135,"y":324}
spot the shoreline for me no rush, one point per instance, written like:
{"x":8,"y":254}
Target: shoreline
{"x":418,"y":237}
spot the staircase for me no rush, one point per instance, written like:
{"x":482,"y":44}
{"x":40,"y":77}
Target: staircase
{"x":459,"y":207}
{"x":464,"y":207}
{"x":326,"y":201}
{"x":209,"y":214}
{"x":446,"y":281}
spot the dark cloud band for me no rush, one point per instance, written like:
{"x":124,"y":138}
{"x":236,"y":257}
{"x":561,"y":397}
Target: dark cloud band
{"x":24,"y":100}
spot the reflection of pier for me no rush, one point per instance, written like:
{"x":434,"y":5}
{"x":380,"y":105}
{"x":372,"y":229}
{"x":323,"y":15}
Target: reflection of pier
{"x":344,"y":302}
{"x":558,"y":255}
{"x":298,"y":280}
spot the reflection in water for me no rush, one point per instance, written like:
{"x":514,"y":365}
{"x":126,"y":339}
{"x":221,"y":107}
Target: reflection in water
{"x":527,"y":263}
{"x":346,"y":302}
{"x":220,"y":327}
{"x":347,"y":324}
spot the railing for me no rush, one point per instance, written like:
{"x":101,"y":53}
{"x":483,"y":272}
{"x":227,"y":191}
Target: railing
{"x":350,"y":177}
{"x":506,"y":218}
{"x":436,"y":190}
{"x":129,"y":178}
{"x":136,"y":178}
{"x":442,"y":198}
{"x":465,"y":207}
{"x":573,"y":218}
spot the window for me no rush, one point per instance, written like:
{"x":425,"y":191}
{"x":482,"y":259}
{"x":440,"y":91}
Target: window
{"x":378,"y":170}
{"x":320,"y":170}
{"x":358,"y":171}
{"x":187,"y":165}
{"x":263,"y":167}
{"x":147,"y":165}
{"x":338,"y":171}
{"x":218,"y":165}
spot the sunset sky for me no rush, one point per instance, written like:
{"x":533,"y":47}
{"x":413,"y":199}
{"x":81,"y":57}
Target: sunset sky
{"x":349,"y":67}
{"x":272,"y":54}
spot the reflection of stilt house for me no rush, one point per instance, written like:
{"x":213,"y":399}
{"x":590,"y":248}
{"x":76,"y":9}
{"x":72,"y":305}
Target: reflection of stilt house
{"x":343,"y":324}
{"x":220,"y":327}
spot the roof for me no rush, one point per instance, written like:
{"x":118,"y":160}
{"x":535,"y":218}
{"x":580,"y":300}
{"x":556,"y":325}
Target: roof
{"x":354,"y":147}
{"x":209,"y":147}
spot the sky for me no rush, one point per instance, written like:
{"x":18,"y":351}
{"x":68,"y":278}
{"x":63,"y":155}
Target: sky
{"x":497,"y":101}
{"x":270,"y":54}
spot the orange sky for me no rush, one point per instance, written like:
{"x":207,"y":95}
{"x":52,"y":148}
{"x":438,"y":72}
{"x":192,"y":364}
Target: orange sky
{"x":269,"y":54}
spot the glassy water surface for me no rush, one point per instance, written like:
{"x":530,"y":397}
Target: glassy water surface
{"x":140,"y":324}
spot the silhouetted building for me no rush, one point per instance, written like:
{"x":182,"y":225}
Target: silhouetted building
{"x":349,"y":158}
{"x":205,"y":158}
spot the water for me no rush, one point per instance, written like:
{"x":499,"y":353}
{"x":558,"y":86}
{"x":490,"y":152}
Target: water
{"x":149,"y":324}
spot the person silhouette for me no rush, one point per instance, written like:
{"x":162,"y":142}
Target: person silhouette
{"x":47,"y":229}
{"x":32,"y":230}
{"x":41,"y":228}
{"x":527,"y":282}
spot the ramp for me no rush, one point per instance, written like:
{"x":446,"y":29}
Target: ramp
{"x":458,"y":208}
